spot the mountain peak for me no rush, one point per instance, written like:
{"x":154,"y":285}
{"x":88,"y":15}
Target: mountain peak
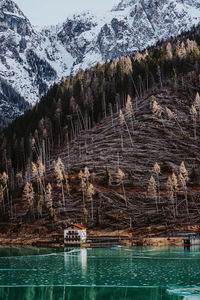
{"x":123,"y":4}
{"x":30,"y":61}
{"x":10,"y":6}
{"x":11,"y":17}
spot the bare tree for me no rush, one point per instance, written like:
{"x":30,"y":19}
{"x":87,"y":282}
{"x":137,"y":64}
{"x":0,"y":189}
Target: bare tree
{"x":197,"y":103}
{"x":184,"y":171}
{"x":90,"y":193}
{"x":152,"y":190}
{"x":193,"y":113}
{"x":108,"y":177}
{"x":156,"y":170}
{"x":121,"y":118}
{"x":181,"y":50}
{"x":122,"y":123}
{"x":87,"y":175}
{"x":170,"y":193}
{"x":129,"y":110}
{"x":83,"y":185}
{"x":120,"y":177}
{"x":38,"y":172}
{"x":59,"y":174}
{"x":183,"y":187}
{"x":53,"y":213}
{"x":39,"y":201}
{"x":4,"y":181}
{"x":67,"y":186}
{"x":28,"y":195}
{"x":34,"y":169}
{"x":175,"y":187}
{"x":171,"y":115}
{"x":85,"y":214}
{"x":192,"y":47}
{"x":169,"y":51}
{"x":156,"y":108}
{"x":41,"y":168}
{"x":48,"y":198}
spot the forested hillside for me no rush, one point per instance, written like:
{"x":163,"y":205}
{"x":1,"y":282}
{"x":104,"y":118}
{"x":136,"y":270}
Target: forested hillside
{"x":32,"y":58}
{"x":115,"y":144}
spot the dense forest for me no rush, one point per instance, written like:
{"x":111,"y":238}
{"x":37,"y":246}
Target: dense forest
{"x":115,"y":145}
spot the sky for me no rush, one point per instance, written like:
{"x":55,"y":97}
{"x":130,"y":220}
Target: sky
{"x":50,"y":12}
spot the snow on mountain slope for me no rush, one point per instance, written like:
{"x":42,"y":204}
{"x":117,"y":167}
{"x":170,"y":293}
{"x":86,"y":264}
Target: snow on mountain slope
{"x":31,"y":59}
{"x":85,"y":39}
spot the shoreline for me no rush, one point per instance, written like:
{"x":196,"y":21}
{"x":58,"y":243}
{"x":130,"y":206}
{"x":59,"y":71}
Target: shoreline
{"x":146,"y":236}
{"x":49,"y":242}
{"x":157,"y":242}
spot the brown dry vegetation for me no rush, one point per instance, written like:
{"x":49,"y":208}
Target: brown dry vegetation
{"x":120,"y":158}
{"x":110,"y":145}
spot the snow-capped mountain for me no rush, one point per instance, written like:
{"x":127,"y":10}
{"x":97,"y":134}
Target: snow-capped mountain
{"x":32,"y":59}
{"x":24,"y":76}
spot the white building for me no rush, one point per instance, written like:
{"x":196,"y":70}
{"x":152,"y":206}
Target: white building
{"x":191,"y":240}
{"x":75,"y":234}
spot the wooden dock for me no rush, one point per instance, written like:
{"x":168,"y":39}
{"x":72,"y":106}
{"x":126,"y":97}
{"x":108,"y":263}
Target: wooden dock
{"x":103,"y":241}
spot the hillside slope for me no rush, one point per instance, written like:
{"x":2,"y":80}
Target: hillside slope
{"x":151,"y":139}
{"x":110,"y":126}
{"x":119,"y":199}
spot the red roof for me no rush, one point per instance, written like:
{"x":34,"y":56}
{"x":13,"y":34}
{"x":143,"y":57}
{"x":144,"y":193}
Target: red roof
{"x":78,"y":226}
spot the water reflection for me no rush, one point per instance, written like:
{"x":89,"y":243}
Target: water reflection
{"x":99,"y":273}
{"x":26,"y":251}
{"x":83,"y":258}
{"x":76,"y":257}
{"x":187,"y":248}
{"x":84,"y":293}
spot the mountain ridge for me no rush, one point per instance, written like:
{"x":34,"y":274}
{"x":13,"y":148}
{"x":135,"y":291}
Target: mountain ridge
{"x":31,"y":61}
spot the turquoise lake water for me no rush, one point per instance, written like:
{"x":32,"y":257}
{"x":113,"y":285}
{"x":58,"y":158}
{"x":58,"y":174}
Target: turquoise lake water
{"x":100,"y":273}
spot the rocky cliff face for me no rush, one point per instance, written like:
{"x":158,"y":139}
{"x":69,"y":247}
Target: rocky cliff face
{"x":24,"y":76}
{"x":31,"y":60}
{"x":11,"y":17}
{"x":130,"y":26}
